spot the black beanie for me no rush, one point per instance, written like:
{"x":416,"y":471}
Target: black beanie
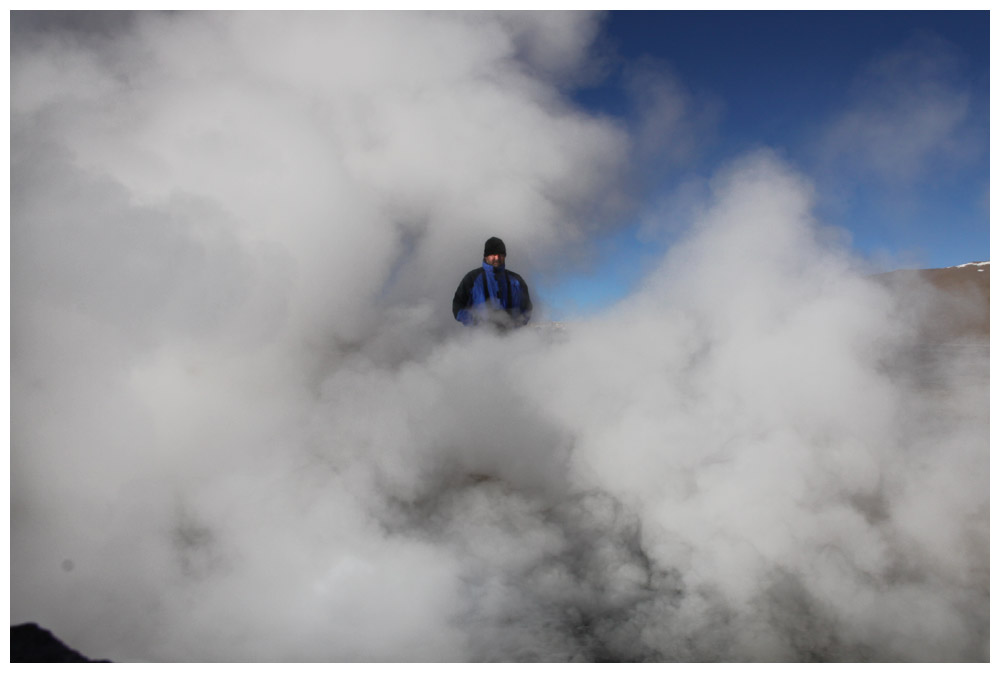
{"x":494,"y":246}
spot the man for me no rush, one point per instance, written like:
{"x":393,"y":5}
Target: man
{"x":491,"y":294}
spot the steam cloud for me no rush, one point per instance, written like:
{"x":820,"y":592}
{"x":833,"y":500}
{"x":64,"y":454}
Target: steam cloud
{"x":245,"y":426}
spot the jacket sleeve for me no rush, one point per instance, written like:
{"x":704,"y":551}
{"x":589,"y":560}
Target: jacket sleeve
{"x":462,"y":299}
{"x":523,"y":314}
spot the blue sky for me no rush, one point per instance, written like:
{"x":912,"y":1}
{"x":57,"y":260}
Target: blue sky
{"x":886,"y":112}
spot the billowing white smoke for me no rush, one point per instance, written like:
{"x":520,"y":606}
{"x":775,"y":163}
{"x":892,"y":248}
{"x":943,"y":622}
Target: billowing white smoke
{"x":246,"y":427}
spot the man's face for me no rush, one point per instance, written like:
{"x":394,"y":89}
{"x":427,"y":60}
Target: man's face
{"x":496,"y":261}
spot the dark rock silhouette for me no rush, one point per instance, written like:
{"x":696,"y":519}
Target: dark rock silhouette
{"x":30,"y":643}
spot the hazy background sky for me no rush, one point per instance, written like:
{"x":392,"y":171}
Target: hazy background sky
{"x":246,"y":427}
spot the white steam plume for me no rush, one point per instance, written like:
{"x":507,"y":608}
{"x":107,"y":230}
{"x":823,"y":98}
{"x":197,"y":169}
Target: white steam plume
{"x":245,"y":426}
{"x":909,"y":112}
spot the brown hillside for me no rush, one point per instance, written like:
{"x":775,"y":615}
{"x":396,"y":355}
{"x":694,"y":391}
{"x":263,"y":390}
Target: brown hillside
{"x":946,"y":305}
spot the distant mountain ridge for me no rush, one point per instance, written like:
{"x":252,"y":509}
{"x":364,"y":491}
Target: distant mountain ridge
{"x":948,"y":304}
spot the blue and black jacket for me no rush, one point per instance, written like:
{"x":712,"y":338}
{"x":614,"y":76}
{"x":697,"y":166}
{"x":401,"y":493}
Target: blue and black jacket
{"x":491,"y":295}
